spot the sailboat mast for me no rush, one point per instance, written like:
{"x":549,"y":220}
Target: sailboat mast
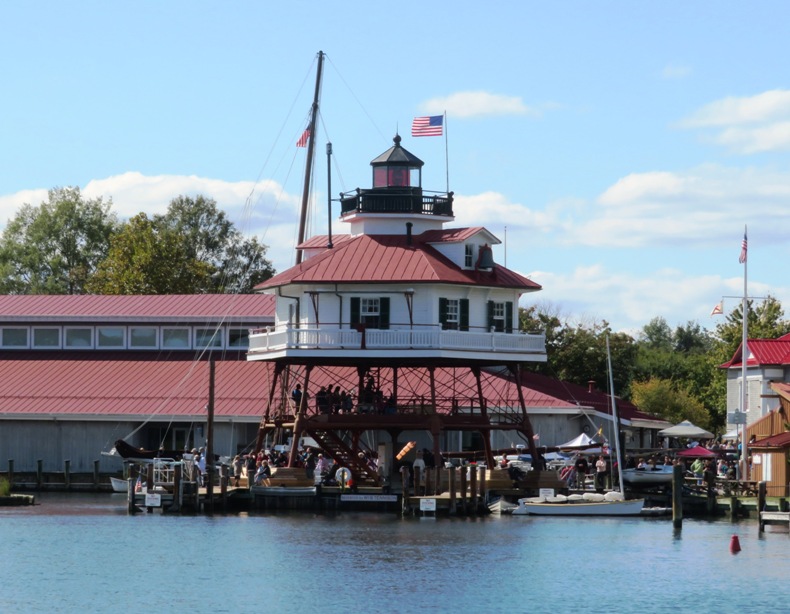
{"x":744,"y":357}
{"x":616,"y":418}
{"x":310,"y":151}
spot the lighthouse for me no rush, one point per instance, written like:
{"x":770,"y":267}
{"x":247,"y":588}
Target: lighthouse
{"x":406,"y":317}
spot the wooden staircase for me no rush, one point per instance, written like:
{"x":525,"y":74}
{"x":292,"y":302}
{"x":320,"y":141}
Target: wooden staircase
{"x":336,"y":448}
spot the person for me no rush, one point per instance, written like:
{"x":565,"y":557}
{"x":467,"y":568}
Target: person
{"x":582,"y":466}
{"x":322,"y":466}
{"x":250,"y":467}
{"x":237,"y":463}
{"x":419,"y":465}
{"x":600,"y":474}
{"x":201,"y":463}
{"x":309,"y":464}
{"x":296,"y":397}
{"x":263,"y":474}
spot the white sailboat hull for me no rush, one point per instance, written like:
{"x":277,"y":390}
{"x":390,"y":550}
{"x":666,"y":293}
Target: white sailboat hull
{"x":632,"y":507}
{"x":119,"y":485}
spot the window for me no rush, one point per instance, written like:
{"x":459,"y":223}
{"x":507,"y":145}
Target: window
{"x":370,"y":312}
{"x":454,"y":313}
{"x":208,"y":338}
{"x":110,"y":337}
{"x":78,"y":338}
{"x":469,"y":251}
{"x":142,"y":337}
{"x":500,"y":316}
{"x":46,"y":338}
{"x":14,"y":337}
{"x":175,"y":338}
{"x":238,"y":338}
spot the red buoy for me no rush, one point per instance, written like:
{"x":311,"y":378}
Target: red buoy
{"x":735,"y":545}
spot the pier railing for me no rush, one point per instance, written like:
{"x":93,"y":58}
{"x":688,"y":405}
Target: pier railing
{"x":433,"y":338}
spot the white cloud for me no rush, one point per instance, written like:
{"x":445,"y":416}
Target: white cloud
{"x":703,"y":205}
{"x":769,"y":106}
{"x":628,"y":301}
{"x":494,"y":209}
{"x":478,"y":104}
{"x":747,"y":125}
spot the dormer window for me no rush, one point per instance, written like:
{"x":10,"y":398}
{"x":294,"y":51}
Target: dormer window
{"x":469,"y":256}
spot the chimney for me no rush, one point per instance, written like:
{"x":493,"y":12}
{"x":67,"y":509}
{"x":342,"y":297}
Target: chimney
{"x":408,"y":233}
{"x":591,"y":385}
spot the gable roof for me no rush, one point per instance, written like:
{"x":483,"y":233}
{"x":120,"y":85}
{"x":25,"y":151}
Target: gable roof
{"x":782,"y":440}
{"x":762,"y":352}
{"x":390,"y":258}
{"x":161,"y":307}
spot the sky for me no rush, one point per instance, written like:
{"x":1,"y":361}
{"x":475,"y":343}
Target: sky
{"x":618,"y":149}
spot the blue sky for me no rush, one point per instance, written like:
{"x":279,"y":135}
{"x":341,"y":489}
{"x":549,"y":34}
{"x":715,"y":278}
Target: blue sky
{"x":624,"y":145}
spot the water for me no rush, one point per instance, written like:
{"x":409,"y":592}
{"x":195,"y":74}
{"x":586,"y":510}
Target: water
{"x":82,"y":553}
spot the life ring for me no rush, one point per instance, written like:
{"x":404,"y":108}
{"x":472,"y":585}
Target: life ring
{"x":343,"y":475}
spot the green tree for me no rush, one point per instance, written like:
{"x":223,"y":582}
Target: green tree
{"x":766,"y":321}
{"x":239,"y":264}
{"x":656,"y":335}
{"x":670,"y":401}
{"x":144,"y":258}
{"x":55,"y":247}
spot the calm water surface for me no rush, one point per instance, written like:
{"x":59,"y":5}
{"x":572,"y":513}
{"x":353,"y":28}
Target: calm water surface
{"x":82,"y":553}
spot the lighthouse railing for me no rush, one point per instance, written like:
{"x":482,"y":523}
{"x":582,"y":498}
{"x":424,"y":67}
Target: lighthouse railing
{"x":263,"y":340}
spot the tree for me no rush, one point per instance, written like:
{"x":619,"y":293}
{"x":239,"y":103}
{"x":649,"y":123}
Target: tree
{"x":668,"y":400}
{"x":147,"y":259}
{"x":239,"y":264}
{"x":55,"y":247}
{"x":656,"y":334}
{"x":766,"y":321}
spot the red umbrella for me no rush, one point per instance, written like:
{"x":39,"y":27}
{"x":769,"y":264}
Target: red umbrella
{"x":697,"y":452}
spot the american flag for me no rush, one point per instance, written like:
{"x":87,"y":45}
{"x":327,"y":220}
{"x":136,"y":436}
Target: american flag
{"x":744,"y":250}
{"x":302,"y":142}
{"x":430,"y":125}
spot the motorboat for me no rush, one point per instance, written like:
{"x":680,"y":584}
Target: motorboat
{"x":649,"y":476}
{"x":588,"y":504}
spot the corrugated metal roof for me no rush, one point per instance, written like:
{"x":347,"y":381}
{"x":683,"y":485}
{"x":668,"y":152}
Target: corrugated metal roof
{"x":102,"y":385}
{"x":165,"y":307}
{"x":782,"y":440}
{"x":763,"y":352}
{"x":390,"y":258}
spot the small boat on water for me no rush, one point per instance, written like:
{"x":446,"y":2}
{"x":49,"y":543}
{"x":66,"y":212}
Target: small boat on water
{"x":588,"y":504}
{"x":119,"y":485}
{"x":651,"y":476}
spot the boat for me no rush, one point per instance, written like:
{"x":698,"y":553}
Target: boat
{"x":119,"y":485}
{"x":589,"y":504}
{"x":652,"y":476}
{"x":501,"y":505}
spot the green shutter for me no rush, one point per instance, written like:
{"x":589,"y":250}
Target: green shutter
{"x":509,"y":317}
{"x":463,"y":316}
{"x":354,"y":311}
{"x":384,"y":312}
{"x":443,"y":312}
{"x":490,"y":313}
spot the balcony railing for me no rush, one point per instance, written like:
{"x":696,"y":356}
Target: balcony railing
{"x":275,"y":340}
{"x":396,"y":200}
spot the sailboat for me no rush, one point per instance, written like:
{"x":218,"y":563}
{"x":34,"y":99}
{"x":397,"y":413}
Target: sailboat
{"x":589,"y":504}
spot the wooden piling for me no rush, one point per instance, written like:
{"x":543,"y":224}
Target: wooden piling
{"x":67,"y":473}
{"x":451,"y":473}
{"x":39,"y":473}
{"x":11,"y":472}
{"x":96,"y":474}
{"x":464,"y":491}
{"x":677,"y":496}
{"x":418,"y":485}
{"x":734,"y":505}
{"x":404,"y":476}
{"x":483,"y":488}
{"x":762,"y":489}
{"x":473,"y":488}
{"x":131,"y":508}
{"x":178,"y":489}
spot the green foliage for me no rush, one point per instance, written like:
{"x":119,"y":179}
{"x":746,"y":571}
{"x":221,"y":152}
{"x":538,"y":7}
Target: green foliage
{"x":146,"y":259}
{"x":5,"y":487}
{"x":237,"y":264}
{"x":55,"y":247}
{"x":670,"y":401}
{"x":765,"y":321}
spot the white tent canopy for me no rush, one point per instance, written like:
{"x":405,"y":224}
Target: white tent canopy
{"x":581,"y":443}
{"x":686,"y":429}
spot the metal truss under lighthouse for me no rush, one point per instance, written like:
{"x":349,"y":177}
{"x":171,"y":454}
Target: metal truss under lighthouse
{"x":415,"y":321}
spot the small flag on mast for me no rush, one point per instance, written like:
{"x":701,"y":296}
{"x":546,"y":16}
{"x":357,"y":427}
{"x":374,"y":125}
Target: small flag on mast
{"x":427,"y":126}
{"x":302,"y":142}
{"x":744,"y":249}
{"x":717,"y":310}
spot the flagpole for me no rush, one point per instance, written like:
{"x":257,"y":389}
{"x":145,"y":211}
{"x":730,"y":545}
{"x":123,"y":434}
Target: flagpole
{"x":446,"y":154}
{"x":744,"y":357}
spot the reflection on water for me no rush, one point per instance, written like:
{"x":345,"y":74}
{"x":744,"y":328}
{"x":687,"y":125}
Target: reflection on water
{"x":83,"y":553}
